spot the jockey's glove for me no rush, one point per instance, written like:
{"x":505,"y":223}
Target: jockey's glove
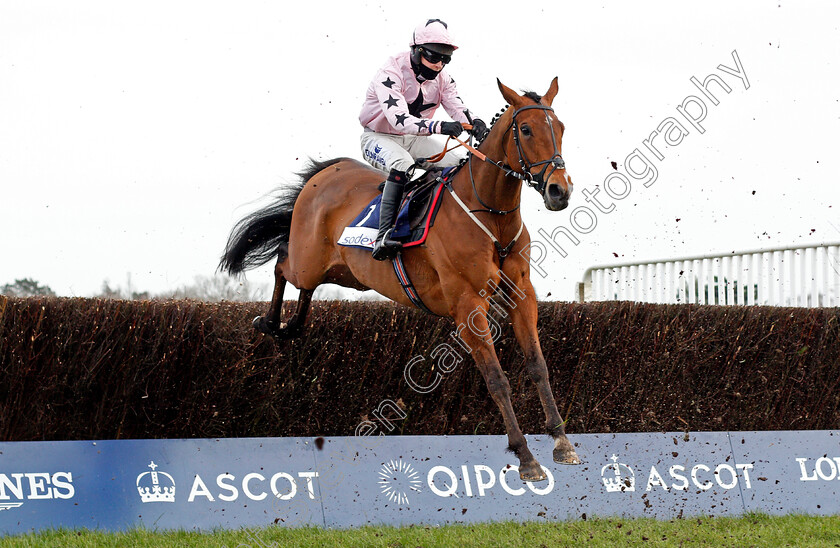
{"x":451,"y":128}
{"x":479,"y":129}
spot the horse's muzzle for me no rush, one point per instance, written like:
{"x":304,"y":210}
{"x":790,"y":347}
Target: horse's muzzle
{"x":556,"y":197}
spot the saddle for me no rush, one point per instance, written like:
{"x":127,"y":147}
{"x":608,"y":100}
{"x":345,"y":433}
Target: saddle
{"x":418,"y":210}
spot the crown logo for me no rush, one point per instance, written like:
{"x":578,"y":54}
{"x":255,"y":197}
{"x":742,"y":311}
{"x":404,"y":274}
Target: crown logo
{"x":150,"y":488}
{"x":616,"y":481}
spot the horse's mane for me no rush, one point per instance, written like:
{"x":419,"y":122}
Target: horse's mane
{"x":534,"y":96}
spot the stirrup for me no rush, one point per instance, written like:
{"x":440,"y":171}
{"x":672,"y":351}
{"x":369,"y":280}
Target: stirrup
{"x":386,"y":248}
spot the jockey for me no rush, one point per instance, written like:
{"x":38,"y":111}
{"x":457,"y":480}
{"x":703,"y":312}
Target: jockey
{"x":396,"y":115}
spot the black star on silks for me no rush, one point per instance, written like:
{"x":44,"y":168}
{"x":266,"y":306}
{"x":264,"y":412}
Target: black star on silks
{"x":421,"y":124}
{"x":418,"y":106}
{"x":388,"y":83}
{"x":401,"y":119}
{"x":391,"y":102}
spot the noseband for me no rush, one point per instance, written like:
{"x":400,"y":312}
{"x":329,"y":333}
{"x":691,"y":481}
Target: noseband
{"x":537,"y":182}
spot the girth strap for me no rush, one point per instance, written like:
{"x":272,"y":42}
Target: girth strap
{"x":408,"y":287}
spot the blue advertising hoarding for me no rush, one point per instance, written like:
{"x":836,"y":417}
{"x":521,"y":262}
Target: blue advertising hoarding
{"x":206,"y":484}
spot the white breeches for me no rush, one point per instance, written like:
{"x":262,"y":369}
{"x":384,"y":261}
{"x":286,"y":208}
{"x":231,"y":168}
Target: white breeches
{"x":384,"y":151}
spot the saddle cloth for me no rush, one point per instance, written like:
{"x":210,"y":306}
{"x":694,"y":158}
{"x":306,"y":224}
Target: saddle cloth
{"x":417,"y":215}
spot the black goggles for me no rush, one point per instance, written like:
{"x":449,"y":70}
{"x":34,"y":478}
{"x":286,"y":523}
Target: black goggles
{"x":434,"y":57}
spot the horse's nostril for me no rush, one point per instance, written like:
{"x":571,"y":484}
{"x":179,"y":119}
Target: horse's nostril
{"x":554,"y":192}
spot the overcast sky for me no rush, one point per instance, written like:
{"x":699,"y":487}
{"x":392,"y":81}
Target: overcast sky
{"x":133,"y":135}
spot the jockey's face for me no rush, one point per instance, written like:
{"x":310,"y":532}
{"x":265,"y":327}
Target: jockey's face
{"x":434,"y":66}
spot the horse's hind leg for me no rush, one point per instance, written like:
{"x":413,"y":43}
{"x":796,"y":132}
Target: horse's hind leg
{"x":295,"y":326}
{"x":271,"y":324}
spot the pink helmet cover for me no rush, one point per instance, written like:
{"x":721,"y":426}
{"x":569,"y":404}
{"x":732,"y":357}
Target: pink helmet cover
{"x":434,"y":31}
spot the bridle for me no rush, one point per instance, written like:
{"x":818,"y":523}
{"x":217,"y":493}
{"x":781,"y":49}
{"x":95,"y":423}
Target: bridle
{"x":555,"y":162}
{"x":538,"y":181}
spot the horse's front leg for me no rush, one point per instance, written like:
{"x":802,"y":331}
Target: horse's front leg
{"x":523,"y":314}
{"x":474,"y":330}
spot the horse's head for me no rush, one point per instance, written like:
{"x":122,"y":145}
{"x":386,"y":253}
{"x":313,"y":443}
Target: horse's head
{"x":535,"y":136}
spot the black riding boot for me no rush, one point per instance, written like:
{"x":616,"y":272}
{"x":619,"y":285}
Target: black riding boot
{"x":384,"y":247}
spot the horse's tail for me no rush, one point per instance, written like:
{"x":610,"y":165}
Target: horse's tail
{"x":259,"y":237}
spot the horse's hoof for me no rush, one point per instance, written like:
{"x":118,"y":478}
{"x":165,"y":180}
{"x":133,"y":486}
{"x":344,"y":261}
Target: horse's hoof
{"x":264,"y":326}
{"x":259,"y":324}
{"x":532,"y":472}
{"x":280,"y":332}
{"x":566,"y":456}
{"x":564,"y":452}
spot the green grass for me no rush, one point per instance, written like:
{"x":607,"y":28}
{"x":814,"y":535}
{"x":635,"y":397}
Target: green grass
{"x":750,"y":530}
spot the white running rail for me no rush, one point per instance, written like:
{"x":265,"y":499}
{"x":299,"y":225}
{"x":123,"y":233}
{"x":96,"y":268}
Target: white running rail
{"x":806,"y":276}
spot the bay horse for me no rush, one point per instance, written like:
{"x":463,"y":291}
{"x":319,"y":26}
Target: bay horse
{"x":450,"y":274}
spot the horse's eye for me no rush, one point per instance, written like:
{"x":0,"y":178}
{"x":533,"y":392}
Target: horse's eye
{"x":526,"y":131}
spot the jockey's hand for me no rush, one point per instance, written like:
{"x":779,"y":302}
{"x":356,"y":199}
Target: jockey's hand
{"x":479,"y":129}
{"x":451,"y":128}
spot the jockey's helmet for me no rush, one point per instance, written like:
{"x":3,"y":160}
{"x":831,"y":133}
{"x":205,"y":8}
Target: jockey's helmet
{"x":434,"y":36}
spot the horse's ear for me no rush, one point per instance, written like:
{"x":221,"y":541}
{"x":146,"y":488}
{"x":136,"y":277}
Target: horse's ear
{"x":510,"y":96}
{"x":548,"y":98}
